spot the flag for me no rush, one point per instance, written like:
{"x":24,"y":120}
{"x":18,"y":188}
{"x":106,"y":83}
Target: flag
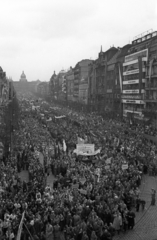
{"x":64,"y":146}
{"x":120,"y":79}
{"x":86,"y":139}
{"x":80,"y":140}
{"x":118,"y":142}
{"x":20,"y":227}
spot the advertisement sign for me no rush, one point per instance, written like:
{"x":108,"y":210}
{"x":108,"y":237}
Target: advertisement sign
{"x":131,"y":91}
{"x":134,"y":91}
{"x":131,"y":96}
{"x":131,"y":72}
{"x":130,"y":82}
{"x":133,"y":101}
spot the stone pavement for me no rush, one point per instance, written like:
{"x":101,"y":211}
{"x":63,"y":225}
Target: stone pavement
{"x":146,"y":221}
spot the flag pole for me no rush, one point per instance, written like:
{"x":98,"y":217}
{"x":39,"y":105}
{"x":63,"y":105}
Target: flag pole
{"x":28,"y":231}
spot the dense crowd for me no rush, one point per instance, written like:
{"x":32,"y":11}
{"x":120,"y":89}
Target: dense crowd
{"x":93,"y":197}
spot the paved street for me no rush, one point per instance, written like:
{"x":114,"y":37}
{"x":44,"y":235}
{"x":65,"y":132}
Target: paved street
{"x":146,"y":222}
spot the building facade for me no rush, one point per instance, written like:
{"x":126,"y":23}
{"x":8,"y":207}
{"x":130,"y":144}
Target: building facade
{"x":43,"y":89}
{"x":81,"y":71}
{"x":70,"y":84}
{"x":112,"y":86}
{"x":150,"y":110}
{"x":53,"y":86}
{"x":134,"y":78}
{"x":97,"y":80}
{"x":83,"y":92}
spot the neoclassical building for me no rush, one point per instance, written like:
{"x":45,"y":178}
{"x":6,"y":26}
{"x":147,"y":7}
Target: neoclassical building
{"x":23,"y":78}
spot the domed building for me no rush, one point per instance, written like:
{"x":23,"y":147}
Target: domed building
{"x":23,"y":83}
{"x":23,"y":78}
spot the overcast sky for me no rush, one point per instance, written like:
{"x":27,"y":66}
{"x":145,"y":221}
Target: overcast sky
{"x":40,"y":36}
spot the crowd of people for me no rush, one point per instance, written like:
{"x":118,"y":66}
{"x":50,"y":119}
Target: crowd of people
{"x":94,"y":196}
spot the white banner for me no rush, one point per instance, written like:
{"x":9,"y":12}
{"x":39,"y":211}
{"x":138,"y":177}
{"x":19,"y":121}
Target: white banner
{"x":87,"y":154}
{"x":86,"y":148}
{"x":124,"y":166}
{"x":60,"y":116}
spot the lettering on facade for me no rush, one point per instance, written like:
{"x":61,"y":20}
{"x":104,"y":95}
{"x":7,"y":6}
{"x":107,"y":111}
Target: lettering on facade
{"x":133,"y":101}
{"x":130,"y":82}
{"x":131,"y":96}
{"x":131,"y":57}
{"x":131,"y":72}
{"x":131,"y":91}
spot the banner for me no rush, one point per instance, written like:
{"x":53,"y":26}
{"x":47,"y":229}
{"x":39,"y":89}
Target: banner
{"x":80,"y":140}
{"x":86,"y":148}
{"x":58,"y":117}
{"x":82,"y":191}
{"x":64,"y":146}
{"x":20,"y":227}
{"x":87,"y":154}
{"x":48,"y":120}
{"x":82,"y":180}
{"x":107,"y":167}
{"x":108,"y":161}
{"x":124,"y":166}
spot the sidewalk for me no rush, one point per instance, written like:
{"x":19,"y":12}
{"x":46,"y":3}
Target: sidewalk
{"x":146,"y":221}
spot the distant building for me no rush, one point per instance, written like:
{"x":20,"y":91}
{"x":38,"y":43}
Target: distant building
{"x":23,"y":78}
{"x":43,"y":89}
{"x":52,"y":86}
{"x":81,"y":71}
{"x":70,"y":84}
{"x":83,"y":91}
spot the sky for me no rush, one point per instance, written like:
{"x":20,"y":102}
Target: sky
{"x":43,"y":36}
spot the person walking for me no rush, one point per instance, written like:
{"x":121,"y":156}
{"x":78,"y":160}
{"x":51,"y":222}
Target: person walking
{"x":153,"y":197}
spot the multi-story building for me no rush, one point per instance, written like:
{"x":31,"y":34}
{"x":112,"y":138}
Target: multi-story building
{"x":70,"y":84}
{"x":83,"y":91}
{"x":134,"y":78}
{"x":43,"y":89}
{"x":112,"y":86}
{"x":150,"y":110}
{"x":118,"y":80}
{"x":61,"y":81}
{"x":97,"y":79}
{"x":53,"y":85}
{"x":91,"y":86}
{"x":80,"y":73}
